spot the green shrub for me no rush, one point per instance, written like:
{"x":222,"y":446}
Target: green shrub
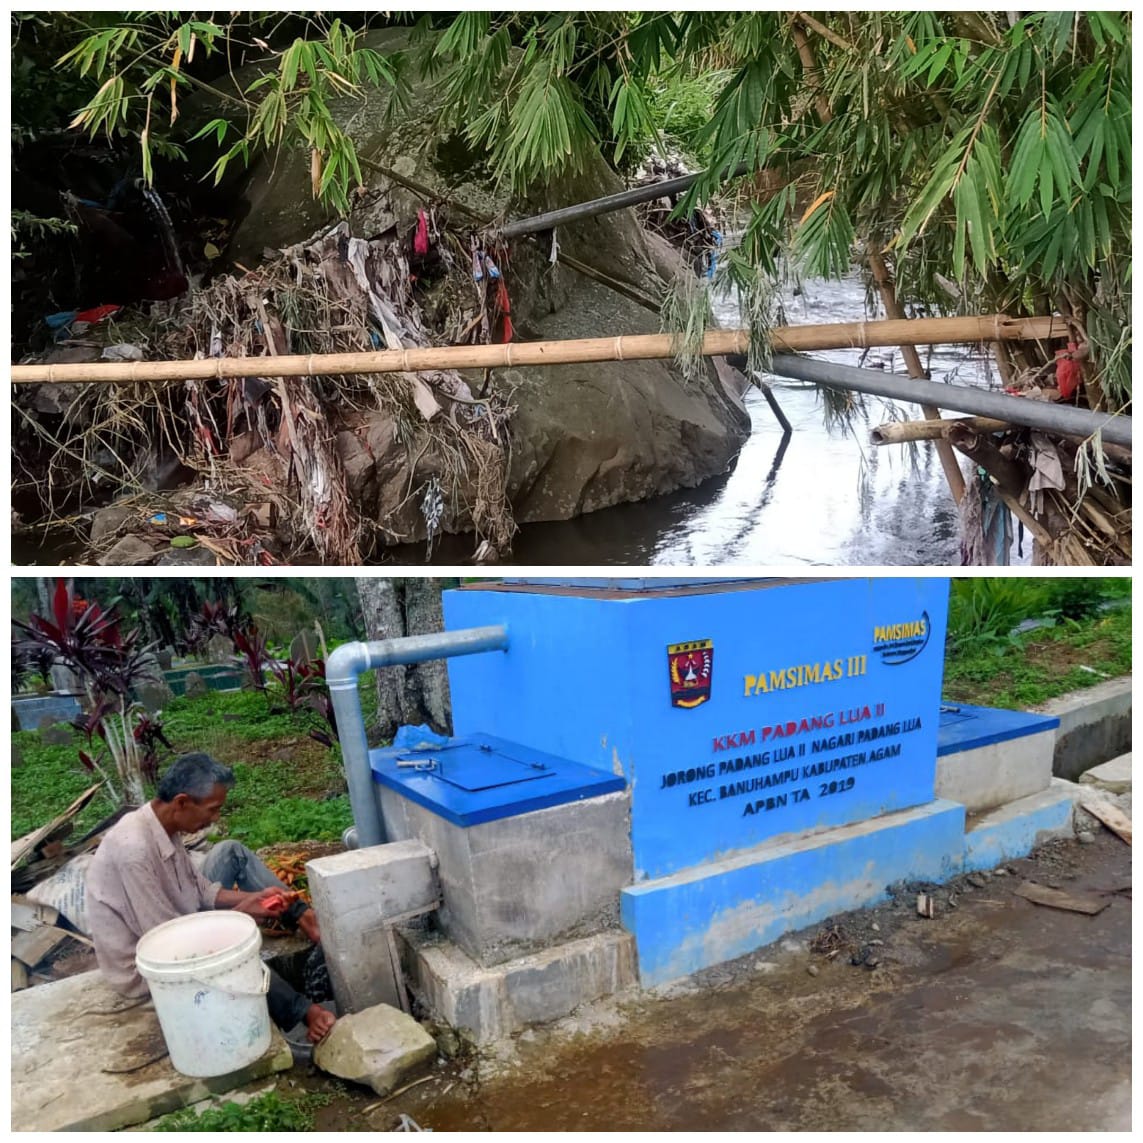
{"x":1076,"y":598}
{"x":269,"y":1112}
{"x":988,"y":608}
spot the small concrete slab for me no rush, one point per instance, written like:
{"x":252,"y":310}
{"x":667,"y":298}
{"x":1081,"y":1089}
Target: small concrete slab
{"x":378,"y":1047}
{"x":1113,"y":776}
{"x":1015,"y":829}
{"x":86,"y":1059}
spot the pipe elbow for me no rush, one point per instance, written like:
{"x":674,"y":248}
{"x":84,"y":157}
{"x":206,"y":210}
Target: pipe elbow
{"x":345,"y":664}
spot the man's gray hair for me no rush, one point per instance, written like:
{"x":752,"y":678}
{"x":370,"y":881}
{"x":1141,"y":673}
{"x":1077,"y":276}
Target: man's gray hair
{"x":195,"y":775}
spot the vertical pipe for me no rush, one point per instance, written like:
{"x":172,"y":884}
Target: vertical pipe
{"x":343,"y":670}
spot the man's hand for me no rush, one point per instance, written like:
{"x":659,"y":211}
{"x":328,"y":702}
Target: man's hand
{"x":265,"y":904}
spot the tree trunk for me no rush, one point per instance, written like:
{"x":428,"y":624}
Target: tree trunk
{"x":415,"y":694}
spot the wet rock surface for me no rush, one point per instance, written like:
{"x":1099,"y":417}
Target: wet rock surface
{"x":584,"y":436}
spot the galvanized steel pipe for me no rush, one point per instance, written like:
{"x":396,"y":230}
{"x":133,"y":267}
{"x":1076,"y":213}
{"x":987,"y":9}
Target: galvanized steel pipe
{"x":618,"y":201}
{"x":1044,"y":415}
{"x":343,"y":669}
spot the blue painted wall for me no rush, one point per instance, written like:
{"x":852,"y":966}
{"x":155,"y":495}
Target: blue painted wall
{"x":586,"y":676}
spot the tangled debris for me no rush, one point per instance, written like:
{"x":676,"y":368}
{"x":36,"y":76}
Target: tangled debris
{"x":285,"y":469}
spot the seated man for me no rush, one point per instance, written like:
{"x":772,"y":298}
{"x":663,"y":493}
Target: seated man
{"x":142,"y":876}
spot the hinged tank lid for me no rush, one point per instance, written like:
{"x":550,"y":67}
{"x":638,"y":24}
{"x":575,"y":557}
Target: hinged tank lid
{"x":480,"y":778}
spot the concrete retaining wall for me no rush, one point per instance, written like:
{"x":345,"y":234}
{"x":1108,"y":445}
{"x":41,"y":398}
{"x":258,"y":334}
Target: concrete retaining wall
{"x":1095,"y":726}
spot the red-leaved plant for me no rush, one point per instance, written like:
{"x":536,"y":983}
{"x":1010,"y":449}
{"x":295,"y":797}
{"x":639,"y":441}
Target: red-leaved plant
{"x":122,"y":740}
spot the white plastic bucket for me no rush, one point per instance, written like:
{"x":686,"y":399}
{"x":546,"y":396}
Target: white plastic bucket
{"x":209,"y":986}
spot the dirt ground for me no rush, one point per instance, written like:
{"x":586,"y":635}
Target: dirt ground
{"x":997,"y":1014}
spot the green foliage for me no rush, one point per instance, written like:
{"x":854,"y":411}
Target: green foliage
{"x":269,"y":1112}
{"x":241,"y":716}
{"x":288,"y":819}
{"x":988,"y":608}
{"x":48,"y":781}
{"x":1040,"y":664}
{"x":29,"y":227}
{"x":983,"y":611}
{"x":989,"y":147}
{"x":1075,"y":598}
{"x":142,"y":60}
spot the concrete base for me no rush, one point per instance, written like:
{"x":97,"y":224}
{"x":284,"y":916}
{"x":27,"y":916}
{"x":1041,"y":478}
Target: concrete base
{"x":520,"y":884}
{"x":1113,"y":776}
{"x":1095,"y":725}
{"x":356,"y":895}
{"x":487,"y":1004}
{"x":1014,"y":830}
{"x":998,"y":772}
{"x":82,"y":1061}
{"x":722,"y":910}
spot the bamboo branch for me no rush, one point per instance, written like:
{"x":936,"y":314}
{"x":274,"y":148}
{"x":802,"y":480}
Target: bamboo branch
{"x":823,"y":31}
{"x":637,"y":347}
{"x":901,"y":432}
{"x":916,"y":370}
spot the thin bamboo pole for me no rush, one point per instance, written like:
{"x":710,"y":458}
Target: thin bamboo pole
{"x":638,"y":347}
{"x":888,"y":291}
{"x":901,"y":432}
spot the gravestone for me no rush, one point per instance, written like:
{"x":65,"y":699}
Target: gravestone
{"x":219,"y":649}
{"x":195,"y":686}
{"x":155,"y":696}
{"x":53,"y":733}
{"x":305,"y":647}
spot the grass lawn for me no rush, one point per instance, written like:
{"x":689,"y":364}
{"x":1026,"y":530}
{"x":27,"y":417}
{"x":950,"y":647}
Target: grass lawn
{"x":288,"y":786}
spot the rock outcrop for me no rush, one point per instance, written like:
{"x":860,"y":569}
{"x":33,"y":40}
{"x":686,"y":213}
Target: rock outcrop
{"x":583,"y":437}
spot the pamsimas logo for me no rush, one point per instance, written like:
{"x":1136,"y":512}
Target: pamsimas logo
{"x":897,"y":643}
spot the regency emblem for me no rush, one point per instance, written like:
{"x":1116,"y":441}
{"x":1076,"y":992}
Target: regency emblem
{"x":691,"y":667}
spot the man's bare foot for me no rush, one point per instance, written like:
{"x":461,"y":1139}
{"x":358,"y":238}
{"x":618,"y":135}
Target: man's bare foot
{"x":308,"y":923}
{"x":318,"y":1022}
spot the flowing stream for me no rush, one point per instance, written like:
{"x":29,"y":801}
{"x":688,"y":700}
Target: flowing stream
{"x":824,"y":496}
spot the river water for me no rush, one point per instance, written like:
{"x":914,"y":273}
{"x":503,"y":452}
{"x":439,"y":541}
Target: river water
{"x":824,"y":497}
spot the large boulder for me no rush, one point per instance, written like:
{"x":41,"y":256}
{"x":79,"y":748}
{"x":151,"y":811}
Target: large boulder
{"x":583,"y":437}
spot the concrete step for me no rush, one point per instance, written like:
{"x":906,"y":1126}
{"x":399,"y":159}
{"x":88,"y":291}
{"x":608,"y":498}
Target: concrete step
{"x":85,"y":1059}
{"x":1113,"y":776}
{"x":1015,"y":829}
{"x":487,"y":1004}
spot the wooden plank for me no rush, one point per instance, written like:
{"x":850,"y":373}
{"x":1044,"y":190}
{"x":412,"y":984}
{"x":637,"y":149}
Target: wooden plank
{"x":1055,"y":899}
{"x":28,"y":915}
{"x":25,"y":845}
{"x":1111,"y":816}
{"x":19,"y":976}
{"x":31,"y":948}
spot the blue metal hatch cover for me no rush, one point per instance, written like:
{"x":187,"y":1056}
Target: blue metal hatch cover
{"x":473,"y":766}
{"x":480,"y":778}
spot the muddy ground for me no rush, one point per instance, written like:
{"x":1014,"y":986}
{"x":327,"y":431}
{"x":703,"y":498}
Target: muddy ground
{"x":995,"y":1015}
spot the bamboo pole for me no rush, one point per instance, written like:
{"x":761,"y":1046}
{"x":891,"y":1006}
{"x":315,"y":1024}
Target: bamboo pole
{"x":637,"y":347}
{"x":901,"y":432}
{"x":888,"y":291}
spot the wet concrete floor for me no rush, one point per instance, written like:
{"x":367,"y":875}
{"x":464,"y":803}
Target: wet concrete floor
{"x":996,"y":1015}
